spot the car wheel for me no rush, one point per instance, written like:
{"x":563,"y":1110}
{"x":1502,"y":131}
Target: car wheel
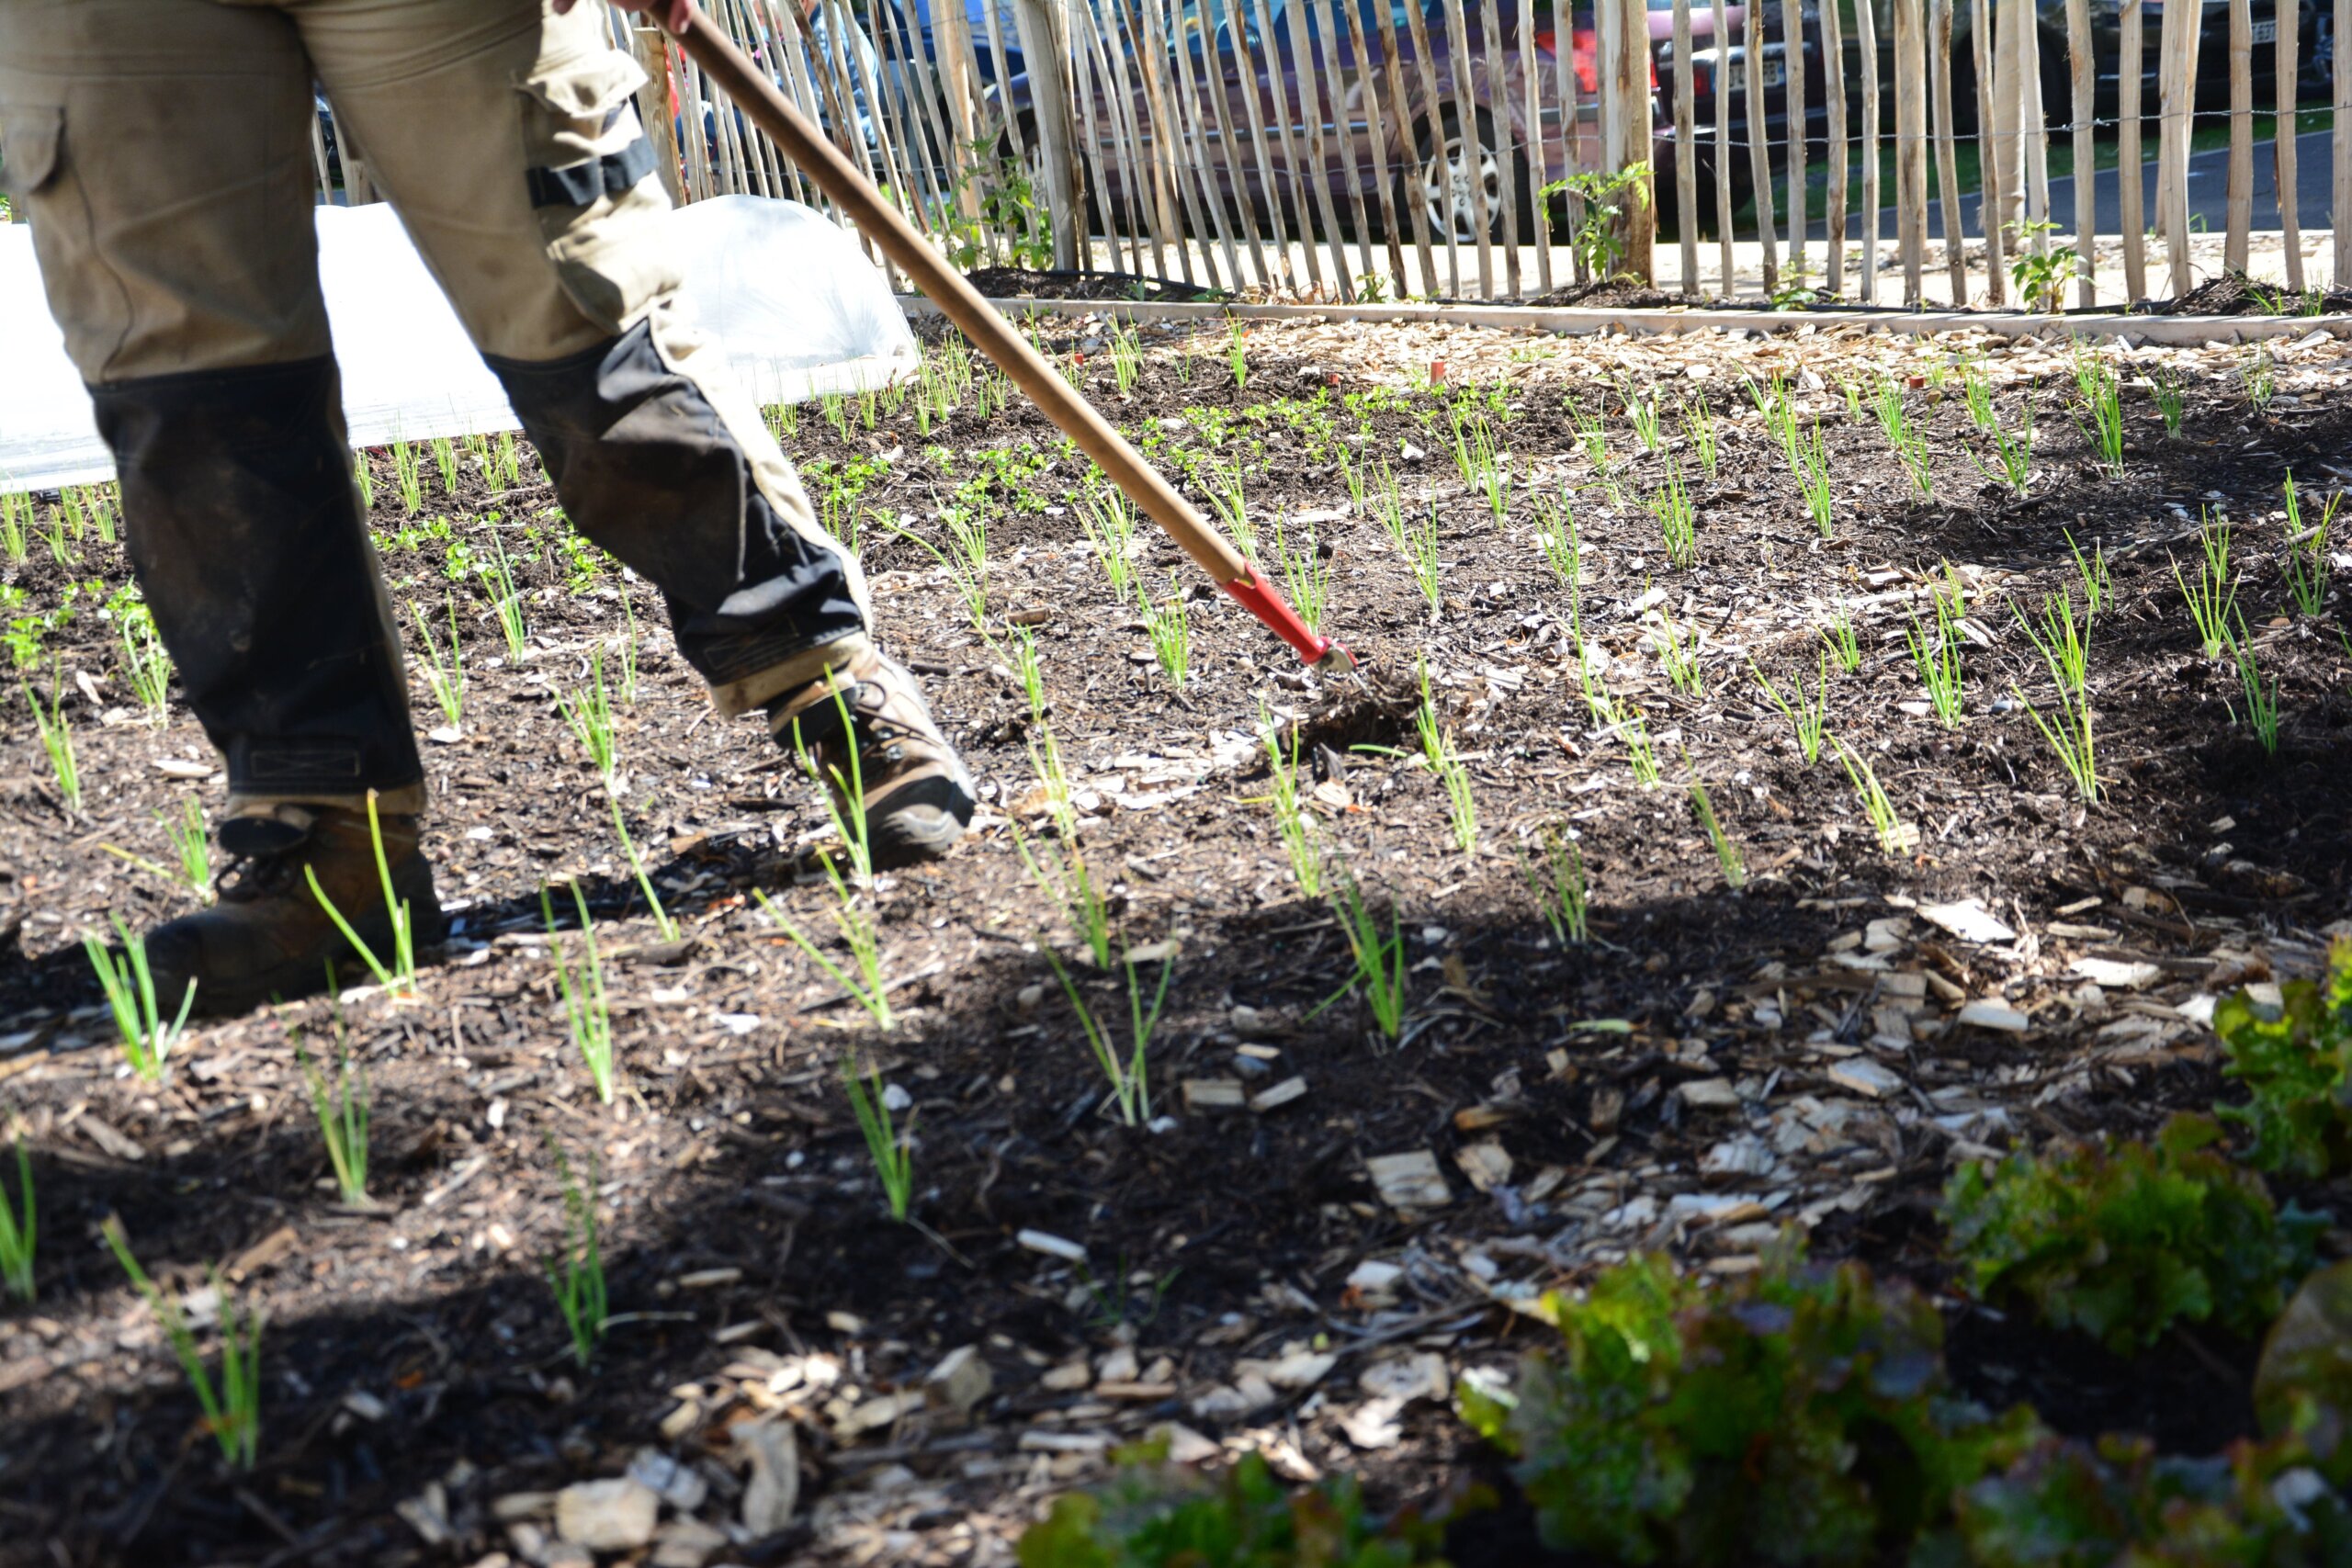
{"x":1448,"y":171}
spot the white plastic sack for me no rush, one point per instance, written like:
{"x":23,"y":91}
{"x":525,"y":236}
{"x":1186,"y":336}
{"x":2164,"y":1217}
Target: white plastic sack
{"x":795,"y":305}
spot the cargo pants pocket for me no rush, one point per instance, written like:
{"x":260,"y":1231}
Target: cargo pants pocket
{"x":594,"y":189}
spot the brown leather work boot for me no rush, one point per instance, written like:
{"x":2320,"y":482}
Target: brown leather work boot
{"x":918,"y":797}
{"x":267,"y":936}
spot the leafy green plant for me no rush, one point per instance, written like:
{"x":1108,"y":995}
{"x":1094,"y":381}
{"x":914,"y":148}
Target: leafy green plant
{"x":576,"y":1271}
{"x":586,"y":1012}
{"x":342,"y":1111}
{"x":2212,"y":599}
{"x":1799,"y":1416}
{"x":400,"y":975}
{"x":889,"y":1147}
{"x":233,"y":1406}
{"x":1805,"y":718}
{"x":1379,"y":957}
{"x":20,"y":1230}
{"x":147,"y":1040}
{"x":2039,"y":269}
{"x":1560,"y":890}
{"x":2123,"y":1241}
{"x":1130,"y":1075}
{"x":1604,"y":196}
{"x":56,"y":733}
{"x":2065,"y":1502}
{"x":1149,"y":1514}
{"x":2295,"y":1060}
{"x":1169,"y":626}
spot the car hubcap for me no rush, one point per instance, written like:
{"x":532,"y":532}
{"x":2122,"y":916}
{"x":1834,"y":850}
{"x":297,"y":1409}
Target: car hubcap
{"x":1448,"y":193}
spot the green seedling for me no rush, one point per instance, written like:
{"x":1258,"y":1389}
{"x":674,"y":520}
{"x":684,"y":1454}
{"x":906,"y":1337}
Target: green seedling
{"x":1293,"y":822}
{"x":576,"y":1273}
{"x":506,"y":461}
{"x":444,"y":458}
{"x":1065,"y":878}
{"x":401,"y":975}
{"x":146,"y":669}
{"x":445,"y":671}
{"x":190,"y":846}
{"x":365,"y":478}
{"x":1726,"y":853}
{"x":20,"y":1230}
{"x":1221,"y":483}
{"x":2124,"y":1241}
{"x":1633,"y":730}
{"x":56,"y":739}
{"x":1593,"y":434}
{"x":589,"y":713}
{"x":1805,"y":718}
{"x":2102,"y":398}
{"x":1379,"y":958}
{"x":1678,"y":654}
{"x":342,"y":1111}
{"x":1558,"y":883}
{"x":1555,"y":537}
{"x":1304,"y":574}
{"x":2306,"y":564}
{"x":2170,"y":395}
{"x":1935,"y":654}
{"x":1169,"y":626}
{"x":147,"y":1040}
{"x":1446,"y":765}
{"x":2012,"y":462}
{"x":2261,"y":378}
{"x":1978,"y":393}
{"x":1109,"y":520}
{"x":16,"y":511}
{"x":1845,"y":642}
{"x":1421,"y":548}
{"x":2294,"y":1058}
{"x":1677,"y":523}
{"x":1029,"y":671}
{"x":889,"y":1147}
{"x":2065,"y":649}
{"x":1127,"y":358}
{"x":2261,"y":701}
{"x":1699,"y":429}
{"x":1130,"y":1076}
{"x":1642,"y":414}
{"x":1904,"y":436}
{"x":408,"y":473}
{"x":587,"y":1013}
{"x":1237,"y":356}
{"x":508,"y":604}
{"x":2091,"y":570}
{"x":2212,"y":599}
{"x":232,"y":1407}
{"x":1894,"y":837}
{"x":59,"y":550}
{"x":663,"y":921}
{"x":1813,"y":478}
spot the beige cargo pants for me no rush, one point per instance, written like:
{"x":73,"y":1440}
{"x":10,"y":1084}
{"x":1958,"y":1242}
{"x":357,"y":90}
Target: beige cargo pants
{"x":162,"y":151}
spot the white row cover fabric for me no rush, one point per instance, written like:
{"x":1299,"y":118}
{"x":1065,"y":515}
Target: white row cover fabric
{"x":795,"y":305}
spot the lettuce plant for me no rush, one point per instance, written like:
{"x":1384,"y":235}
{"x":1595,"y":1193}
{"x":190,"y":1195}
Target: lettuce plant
{"x":2297,"y":1067}
{"x":1800,"y":1415}
{"x":2124,"y":1241}
{"x":1153,"y":1515}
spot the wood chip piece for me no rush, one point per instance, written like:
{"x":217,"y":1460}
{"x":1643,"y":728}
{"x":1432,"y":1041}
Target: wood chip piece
{"x":1996,"y":1016}
{"x":2116,"y":974}
{"x":1052,"y":1245}
{"x":1969,"y":920}
{"x":1280,"y":1094}
{"x":1865,"y":1078}
{"x":1214,"y":1094}
{"x":1487,"y":1164}
{"x":1410,"y":1180}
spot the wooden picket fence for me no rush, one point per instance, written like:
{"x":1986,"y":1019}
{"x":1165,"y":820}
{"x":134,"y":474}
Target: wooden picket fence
{"x":1077,"y":176}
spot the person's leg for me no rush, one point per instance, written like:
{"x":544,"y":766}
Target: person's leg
{"x":508,"y":141}
{"x":161,"y":151}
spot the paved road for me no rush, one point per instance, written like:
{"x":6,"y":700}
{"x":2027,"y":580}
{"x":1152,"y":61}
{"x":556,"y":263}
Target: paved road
{"x":2207,"y":181}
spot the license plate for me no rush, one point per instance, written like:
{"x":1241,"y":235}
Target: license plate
{"x":2266,"y":32}
{"x":1776,"y":70}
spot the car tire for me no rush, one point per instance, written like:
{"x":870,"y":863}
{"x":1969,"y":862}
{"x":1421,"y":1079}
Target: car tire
{"x":1426,"y":180}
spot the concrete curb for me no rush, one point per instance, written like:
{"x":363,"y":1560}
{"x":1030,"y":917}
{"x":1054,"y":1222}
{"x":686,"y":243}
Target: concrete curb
{"x":2177,"y":332}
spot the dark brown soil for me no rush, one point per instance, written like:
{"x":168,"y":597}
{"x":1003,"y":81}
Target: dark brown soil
{"x":1607,"y":293}
{"x":415,"y":1359}
{"x":2235,"y":294}
{"x":1021,"y":283}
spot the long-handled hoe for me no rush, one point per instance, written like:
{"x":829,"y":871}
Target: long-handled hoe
{"x":864,"y":206}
